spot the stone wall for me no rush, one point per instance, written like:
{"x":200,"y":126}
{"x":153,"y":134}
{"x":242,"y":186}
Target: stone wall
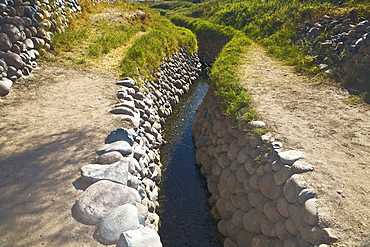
{"x":25,"y":28}
{"x":122,"y":197}
{"x":342,"y":43}
{"x":259,"y":193}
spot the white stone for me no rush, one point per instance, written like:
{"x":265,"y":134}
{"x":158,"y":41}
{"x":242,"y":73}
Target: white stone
{"x":289,"y":157}
{"x":144,"y":237}
{"x":116,"y":172}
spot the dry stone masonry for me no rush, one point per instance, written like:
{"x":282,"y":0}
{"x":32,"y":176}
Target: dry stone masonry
{"x":343,"y":41}
{"x":26,"y":27}
{"x":259,"y":194}
{"x":122,"y":199}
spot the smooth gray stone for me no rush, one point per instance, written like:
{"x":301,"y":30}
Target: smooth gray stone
{"x":143,"y":237}
{"x":116,"y":172}
{"x":301,"y":167}
{"x":121,"y":219}
{"x":306,"y":194}
{"x":109,"y":158}
{"x":14,"y":60}
{"x":100,"y":198}
{"x":5,"y":85}
{"x":289,"y":157}
{"x":121,"y":134}
{"x":121,"y":146}
{"x":11,"y":71}
{"x":128,"y":82}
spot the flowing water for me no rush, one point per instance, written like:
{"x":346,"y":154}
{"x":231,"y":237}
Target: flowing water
{"x":184,"y":211}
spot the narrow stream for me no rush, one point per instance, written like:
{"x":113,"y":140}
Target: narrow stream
{"x":184,"y":211}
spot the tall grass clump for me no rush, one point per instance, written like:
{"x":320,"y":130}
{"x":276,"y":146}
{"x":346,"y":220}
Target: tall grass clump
{"x":147,"y":52}
{"x":225,"y":78}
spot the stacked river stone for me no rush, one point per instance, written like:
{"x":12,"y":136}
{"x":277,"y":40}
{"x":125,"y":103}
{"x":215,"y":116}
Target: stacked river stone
{"x":25,"y":28}
{"x":339,"y":43}
{"x":259,"y":193}
{"x":122,"y":197}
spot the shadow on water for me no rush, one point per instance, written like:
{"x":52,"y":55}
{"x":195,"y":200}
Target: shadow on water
{"x":184,"y":211}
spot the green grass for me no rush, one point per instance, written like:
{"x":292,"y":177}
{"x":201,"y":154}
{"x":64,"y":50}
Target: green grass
{"x":112,"y":37}
{"x":228,"y":87}
{"x":223,"y":73}
{"x":275,"y":24}
{"x":96,"y":36}
{"x":148,"y":51}
{"x":147,"y":42}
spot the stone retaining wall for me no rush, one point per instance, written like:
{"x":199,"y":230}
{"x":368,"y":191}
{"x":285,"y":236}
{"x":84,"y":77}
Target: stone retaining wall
{"x":259,"y":193}
{"x":342,"y":43}
{"x":122,"y":198}
{"x":25,"y":28}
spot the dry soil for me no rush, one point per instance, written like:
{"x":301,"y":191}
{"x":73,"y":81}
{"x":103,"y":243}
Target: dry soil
{"x":317,"y":119}
{"x":50,"y":126}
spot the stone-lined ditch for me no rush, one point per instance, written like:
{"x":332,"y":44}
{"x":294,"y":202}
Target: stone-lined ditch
{"x":122,"y":200}
{"x":184,"y":211}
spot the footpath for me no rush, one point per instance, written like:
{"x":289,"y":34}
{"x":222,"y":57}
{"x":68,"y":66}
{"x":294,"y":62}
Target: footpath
{"x":50,"y":126}
{"x":319,"y":120}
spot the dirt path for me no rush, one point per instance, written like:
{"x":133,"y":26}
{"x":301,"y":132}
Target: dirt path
{"x":50,"y":126}
{"x":335,"y":137}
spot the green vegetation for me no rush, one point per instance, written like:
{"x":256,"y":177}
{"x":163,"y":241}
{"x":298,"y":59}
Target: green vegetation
{"x":228,"y":87}
{"x":226,"y":26}
{"x":148,"y":51}
{"x":223,"y":73}
{"x":275,"y":24}
{"x":140,"y":44}
{"x":97,"y":32}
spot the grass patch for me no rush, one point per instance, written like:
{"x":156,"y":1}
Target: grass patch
{"x":105,"y":30}
{"x":225,"y":77}
{"x":146,"y":53}
{"x":94,"y":34}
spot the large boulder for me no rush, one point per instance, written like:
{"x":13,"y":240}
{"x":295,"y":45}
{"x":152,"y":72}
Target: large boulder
{"x":100,"y":198}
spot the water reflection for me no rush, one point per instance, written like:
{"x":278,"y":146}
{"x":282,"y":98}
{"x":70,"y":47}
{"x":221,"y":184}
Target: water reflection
{"x":184,"y":212}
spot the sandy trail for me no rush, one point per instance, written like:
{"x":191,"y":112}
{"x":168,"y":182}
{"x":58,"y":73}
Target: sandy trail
{"x":50,"y":127}
{"x":334,"y":135}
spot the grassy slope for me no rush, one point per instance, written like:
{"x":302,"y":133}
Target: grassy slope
{"x":275,"y":23}
{"x":141,"y":45}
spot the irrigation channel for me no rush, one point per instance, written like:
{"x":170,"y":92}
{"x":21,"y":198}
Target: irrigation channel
{"x":184,"y":211}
